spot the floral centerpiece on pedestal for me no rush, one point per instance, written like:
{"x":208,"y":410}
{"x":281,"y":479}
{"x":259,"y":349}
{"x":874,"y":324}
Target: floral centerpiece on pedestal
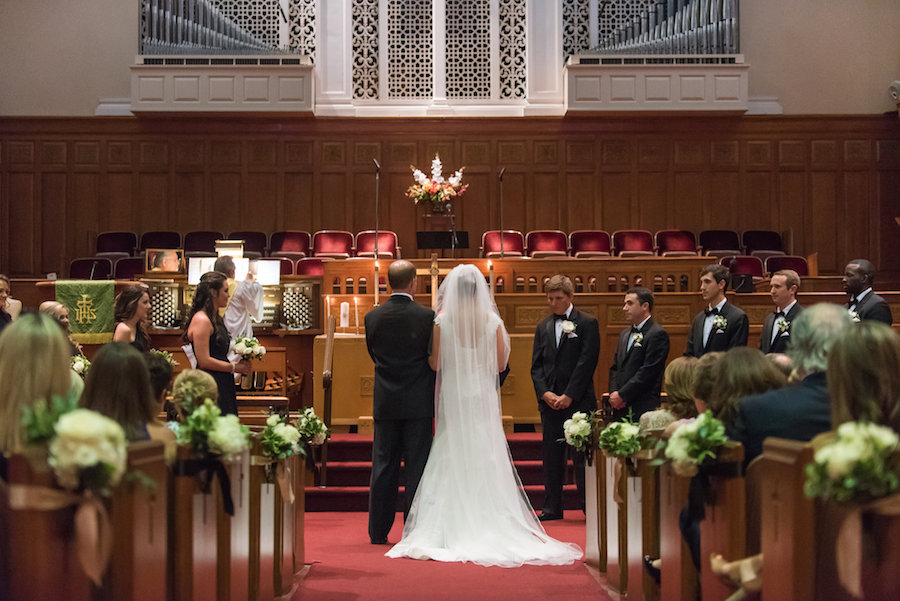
{"x":436,"y":192}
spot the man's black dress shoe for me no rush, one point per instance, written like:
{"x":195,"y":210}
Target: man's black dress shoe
{"x":379,"y":541}
{"x":546,"y":517}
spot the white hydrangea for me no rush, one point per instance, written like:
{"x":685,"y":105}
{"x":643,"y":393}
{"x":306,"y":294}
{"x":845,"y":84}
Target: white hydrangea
{"x":228,"y":438}
{"x":273,"y":420}
{"x":85,"y":438}
{"x":240,"y":348}
{"x":287,"y":432}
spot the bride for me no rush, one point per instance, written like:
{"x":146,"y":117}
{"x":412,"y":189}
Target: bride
{"x":470,"y":505}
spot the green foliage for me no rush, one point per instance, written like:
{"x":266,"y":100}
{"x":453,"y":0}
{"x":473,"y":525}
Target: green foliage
{"x":620,"y":439}
{"x":40,"y":419}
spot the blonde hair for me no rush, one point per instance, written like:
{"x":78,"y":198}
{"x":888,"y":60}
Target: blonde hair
{"x":193,"y":386}
{"x":679,"y":379}
{"x":34,"y":364}
{"x":742,"y":371}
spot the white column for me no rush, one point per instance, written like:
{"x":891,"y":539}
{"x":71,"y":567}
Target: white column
{"x":439,"y":54}
{"x":544,"y":52}
{"x":334,"y":58}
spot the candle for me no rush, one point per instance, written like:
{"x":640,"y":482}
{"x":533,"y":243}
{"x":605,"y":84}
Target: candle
{"x":356,"y":310}
{"x":345,"y":314}
{"x":327,"y":310}
{"x":491,"y":269}
{"x":377,"y":283}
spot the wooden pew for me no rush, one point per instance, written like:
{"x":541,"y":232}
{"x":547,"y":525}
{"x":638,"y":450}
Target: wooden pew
{"x":595,"y":512}
{"x":646,"y":538}
{"x":679,"y":579}
{"x":616,"y":473}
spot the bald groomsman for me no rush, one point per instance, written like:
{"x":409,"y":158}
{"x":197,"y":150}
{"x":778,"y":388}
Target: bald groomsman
{"x":859,"y":275}
{"x":776,"y":332}
{"x":721,"y":325}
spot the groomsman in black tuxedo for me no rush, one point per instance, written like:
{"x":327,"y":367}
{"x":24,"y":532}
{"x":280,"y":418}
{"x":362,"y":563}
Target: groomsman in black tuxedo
{"x":721,"y":325}
{"x":776,"y":332}
{"x":636,"y":375}
{"x":563,"y":360}
{"x":859,"y":275}
{"x":398,"y":336}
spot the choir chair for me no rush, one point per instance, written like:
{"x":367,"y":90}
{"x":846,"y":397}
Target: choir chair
{"x":255,"y":243}
{"x":676,"y":243}
{"x":127,"y":268}
{"x":513,"y":244}
{"x":201,"y":243}
{"x":91,"y":268}
{"x":160,"y":239}
{"x":336,"y":244}
{"x":632,"y":243}
{"x":590,"y":244}
{"x":116,"y":244}
{"x":779,"y":262}
{"x":293,"y":244}
{"x":388,"y":246}
{"x":720,"y":243}
{"x":546,"y":243}
{"x":762,"y":243}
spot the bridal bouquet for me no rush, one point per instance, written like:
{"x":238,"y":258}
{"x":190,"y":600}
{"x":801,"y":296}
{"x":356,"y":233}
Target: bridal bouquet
{"x":248,"y":347}
{"x":280,"y":439}
{"x":89,"y":451}
{"x":80,"y":365}
{"x":207,"y":432}
{"x":312,"y":429}
{"x":620,"y":439}
{"x":436,"y":191}
{"x":860,"y":464}
{"x":695,"y":441}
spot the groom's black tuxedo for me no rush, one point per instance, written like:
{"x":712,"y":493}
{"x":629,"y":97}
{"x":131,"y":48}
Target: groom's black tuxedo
{"x":637,"y":373}
{"x":564,"y":369}
{"x":398,"y":337}
{"x":735,"y":333}
{"x":781,"y":341}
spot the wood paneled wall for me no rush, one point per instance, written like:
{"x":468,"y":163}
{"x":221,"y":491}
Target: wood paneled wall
{"x":831,"y":184}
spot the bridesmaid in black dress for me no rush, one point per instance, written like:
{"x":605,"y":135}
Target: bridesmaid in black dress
{"x":209,"y":339}
{"x":132,"y":310}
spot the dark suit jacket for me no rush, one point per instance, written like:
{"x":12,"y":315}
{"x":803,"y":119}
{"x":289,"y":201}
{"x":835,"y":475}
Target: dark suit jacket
{"x":398,"y":336}
{"x":638,"y":373}
{"x":569,"y":368}
{"x":781,"y":341}
{"x":798,"y":412}
{"x":874,"y":307}
{"x":735,"y":333}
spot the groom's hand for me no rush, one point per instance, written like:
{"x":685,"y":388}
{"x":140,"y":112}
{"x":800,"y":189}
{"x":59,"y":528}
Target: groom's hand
{"x":563,"y":401}
{"x":551,"y":399}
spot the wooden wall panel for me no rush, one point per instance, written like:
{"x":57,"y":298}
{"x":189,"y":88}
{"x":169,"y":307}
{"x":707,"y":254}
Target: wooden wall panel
{"x":831,"y":181}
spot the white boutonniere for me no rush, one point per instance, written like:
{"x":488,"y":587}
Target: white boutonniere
{"x":854,"y":315}
{"x":720,"y":323}
{"x":637,"y":340}
{"x":568,"y":329}
{"x":784,"y":327}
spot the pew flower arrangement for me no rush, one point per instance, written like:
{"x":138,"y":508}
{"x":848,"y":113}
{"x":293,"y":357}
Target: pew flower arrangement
{"x":860,"y":464}
{"x":620,"y":439}
{"x":436,"y":191}
{"x":248,"y":347}
{"x":207,"y":432}
{"x":89,"y":452}
{"x":578,"y":433}
{"x":695,"y":441}
{"x":280,"y":439}
{"x":312,"y":429}
{"x":39,"y":420}
{"x":80,"y":365}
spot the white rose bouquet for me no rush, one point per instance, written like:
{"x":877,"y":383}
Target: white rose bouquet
{"x":312,"y":429}
{"x":80,"y":365}
{"x":280,"y":439}
{"x":89,"y":451}
{"x":579,"y":433}
{"x":207,"y":432}
{"x":248,"y":347}
{"x":620,"y":439}
{"x":695,"y":441}
{"x":860,"y":464}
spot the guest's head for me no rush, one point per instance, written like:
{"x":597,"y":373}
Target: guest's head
{"x":812,"y":335}
{"x":34,"y":364}
{"x":783,"y":287}
{"x":402,"y":276}
{"x":192,"y":387}
{"x":133,"y":304}
{"x":224,"y":264}
{"x":678,"y":382}
{"x":57,"y":311}
{"x":118,"y":386}
{"x":743,"y":371}
{"x":783,"y":363}
{"x":560,"y":293}
{"x":4,"y":291}
{"x":706,"y":375}
{"x":160,"y":371}
{"x":713,"y":283}
{"x":859,"y":274}
{"x":864,"y":375}
{"x":638,"y":305}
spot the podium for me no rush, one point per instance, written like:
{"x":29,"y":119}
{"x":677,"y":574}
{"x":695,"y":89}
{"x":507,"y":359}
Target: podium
{"x":442,"y":240}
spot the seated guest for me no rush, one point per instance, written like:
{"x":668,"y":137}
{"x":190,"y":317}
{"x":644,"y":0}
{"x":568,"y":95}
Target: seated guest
{"x":721,"y":325}
{"x":34,"y":364}
{"x":776,"y":332}
{"x":742,"y":372}
{"x":864,"y":376}
{"x":131,"y":311}
{"x":864,"y":304}
{"x":60,"y":313}
{"x":192,"y":387}
{"x":5,"y":313}
{"x":160,"y":371}
{"x":118,"y":386}
{"x":678,"y":403}
{"x":802,"y":410}
{"x":784,"y":365}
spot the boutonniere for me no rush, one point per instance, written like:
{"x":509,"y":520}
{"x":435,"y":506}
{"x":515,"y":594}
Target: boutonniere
{"x":854,"y":315}
{"x":568,"y":329}
{"x":637,"y":340}
{"x":720,"y":323}
{"x":784,"y":326}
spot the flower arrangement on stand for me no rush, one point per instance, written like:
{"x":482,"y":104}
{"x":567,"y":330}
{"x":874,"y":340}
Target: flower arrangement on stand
{"x":80,"y":365}
{"x":311,"y":428}
{"x":580,"y":435}
{"x":694,"y":442}
{"x":436,"y":192}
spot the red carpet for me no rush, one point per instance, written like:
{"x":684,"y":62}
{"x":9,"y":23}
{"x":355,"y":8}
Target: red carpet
{"x":345,"y":567}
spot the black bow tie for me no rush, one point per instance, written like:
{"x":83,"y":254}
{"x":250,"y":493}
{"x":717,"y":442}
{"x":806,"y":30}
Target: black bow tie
{"x":852,"y":304}
{"x":712,"y":311}
{"x":779,"y":314}
{"x":561,"y":316}
{"x":635,"y":330}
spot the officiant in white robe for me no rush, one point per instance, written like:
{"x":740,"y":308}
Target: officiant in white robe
{"x":245,"y":306}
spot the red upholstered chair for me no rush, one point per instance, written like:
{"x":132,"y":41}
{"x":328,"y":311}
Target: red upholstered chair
{"x":201,"y":243}
{"x":779,"y":262}
{"x":763,"y":243}
{"x":720,"y":243}
{"x":128,"y":267}
{"x":590,"y":243}
{"x":116,"y":244}
{"x":160,"y":239}
{"x":336,"y":244}
{"x":254,"y":243}
{"x":387,"y":244}
{"x":744,"y":265}
{"x":513,"y":243}
{"x":91,"y":268}
{"x":290,"y":243}
{"x":632,"y":243}
{"x":546,"y":243}
{"x":313,"y":265}
{"x":676,"y":243}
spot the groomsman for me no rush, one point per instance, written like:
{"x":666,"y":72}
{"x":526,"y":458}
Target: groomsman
{"x":776,"y":332}
{"x":721,"y":325}
{"x":636,"y":375}
{"x":859,"y":275}
{"x":563,"y":360}
{"x":398,"y":337}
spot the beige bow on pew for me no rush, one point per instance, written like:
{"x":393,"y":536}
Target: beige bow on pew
{"x":282,"y":475}
{"x":93,"y":530}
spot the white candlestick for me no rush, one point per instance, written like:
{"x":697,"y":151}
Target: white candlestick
{"x":327,"y":310}
{"x":356,"y":310}
{"x":491,"y":269}
{"x":377,"y":283}
{"x":345,"y":314}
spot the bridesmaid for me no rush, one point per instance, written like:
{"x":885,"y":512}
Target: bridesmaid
{"x":132,"y":310}
{"x":209,"y":338}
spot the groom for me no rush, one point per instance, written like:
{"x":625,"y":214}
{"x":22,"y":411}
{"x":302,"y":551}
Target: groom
{"x":563,"y":360}
{"x":398,"y":336}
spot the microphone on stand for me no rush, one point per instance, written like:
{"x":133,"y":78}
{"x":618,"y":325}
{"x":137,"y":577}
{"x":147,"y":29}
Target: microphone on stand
{"x":500,"y":177}
{"x":93,"y":267}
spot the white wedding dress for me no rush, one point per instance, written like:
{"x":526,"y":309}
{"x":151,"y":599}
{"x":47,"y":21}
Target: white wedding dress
{"x":470,"y":505}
